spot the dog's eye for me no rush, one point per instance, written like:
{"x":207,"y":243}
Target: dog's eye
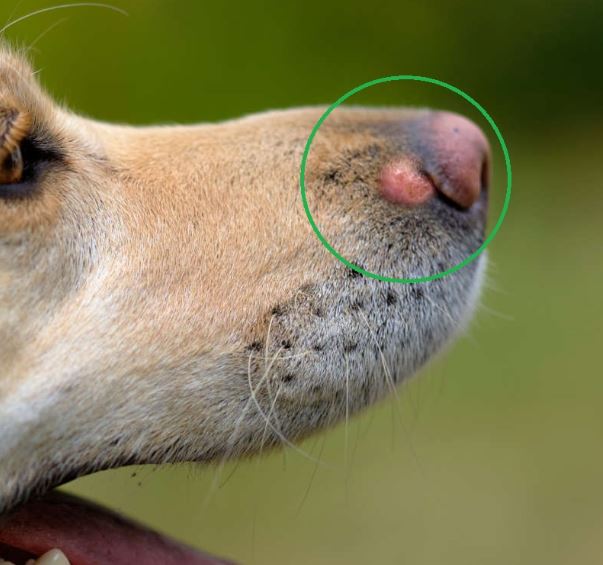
{"x":25,"y":152}
{"x":11,"y":169}
{"x":15,"y":125}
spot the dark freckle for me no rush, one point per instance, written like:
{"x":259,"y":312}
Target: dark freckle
{"x":357,"y":305}
{"x":316,"y":389}
{"x":318,"y":311}
{"x":255,"y":346}
{"x":133,"y":474}
{"x":307,"y":288}
{"x":455,"y":130}
{"x":352,"y":274}
{"x":318,"y":347}
{"x":287,"y":378}
{"x":348,"y":347}
{"x":286,"y":344}
{"x":277,"y":310}
{"x":417,"y":291}
{"x":391,"y":298}
{"x":332,"y":175}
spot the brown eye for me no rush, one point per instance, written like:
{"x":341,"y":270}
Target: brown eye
{"x":11,"y":169}
{"x":14,"y":126}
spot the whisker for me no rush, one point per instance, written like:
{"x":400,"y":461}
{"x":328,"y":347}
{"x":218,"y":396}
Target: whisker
{"x":388,"y":376}
{"x":496,"y":313}
{"x":62,"y":7}
{"x":278,"y":434}
{"x":389,"y":380}
{"x":12,"y":12}
{"x":347,"y":410}
{"x":346,"y":451}
{"x":272,"y":405}
{"x":44,"y":33}
{"x":267,"y":342}
{"x":492,"y":284}
{"x":231,"y":474}
{"x":230,"y":448}
{"x":314,"y":471}
{"x":441,"y":308}
{"x":231,"y":439}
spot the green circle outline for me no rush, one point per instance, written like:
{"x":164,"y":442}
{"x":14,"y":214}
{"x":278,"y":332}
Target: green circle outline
{"x":429,"y":80}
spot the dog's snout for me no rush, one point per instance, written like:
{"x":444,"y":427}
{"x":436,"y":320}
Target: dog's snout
{"x":449,"y":154}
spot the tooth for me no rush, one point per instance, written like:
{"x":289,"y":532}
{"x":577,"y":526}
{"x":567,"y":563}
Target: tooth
{"x":53,"y":557}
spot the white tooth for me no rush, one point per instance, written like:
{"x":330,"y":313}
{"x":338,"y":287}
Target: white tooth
{"x":53,"y":557}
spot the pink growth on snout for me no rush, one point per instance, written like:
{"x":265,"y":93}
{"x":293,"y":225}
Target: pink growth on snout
{"x":400,"y":182}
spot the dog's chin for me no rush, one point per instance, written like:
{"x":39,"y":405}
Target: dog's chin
{"x":370,"y":359}
{"x":380,"y":335}
{"x":336,"y":356}
{"x":86,"y":534}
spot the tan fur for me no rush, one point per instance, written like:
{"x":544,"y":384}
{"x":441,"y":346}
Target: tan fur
{"x":163,"y":297}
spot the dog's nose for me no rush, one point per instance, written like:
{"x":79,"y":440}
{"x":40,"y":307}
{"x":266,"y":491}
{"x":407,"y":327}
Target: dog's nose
{"x":448,"y":154}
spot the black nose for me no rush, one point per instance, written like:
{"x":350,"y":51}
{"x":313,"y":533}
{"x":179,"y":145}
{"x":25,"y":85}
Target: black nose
{"x":452,"y":157}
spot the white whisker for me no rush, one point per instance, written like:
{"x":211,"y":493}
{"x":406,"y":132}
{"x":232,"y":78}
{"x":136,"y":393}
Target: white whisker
{"x":270,"y":412}
{"x":496,"y":313}
{"x":389,"y":380}
{"x":62,"y":7}
{"x":12,"y":12}
{"x":230,"y":444}
{"x":44,"y":33}
{"x":441,"y":308}
{"x":388,"y":376}
{"x":307,"y":491}
{"x":278,"y":434}
{"x":347,"y":410}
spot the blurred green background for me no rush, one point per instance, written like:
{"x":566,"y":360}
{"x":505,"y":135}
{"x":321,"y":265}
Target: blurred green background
{"x":494,"y":454}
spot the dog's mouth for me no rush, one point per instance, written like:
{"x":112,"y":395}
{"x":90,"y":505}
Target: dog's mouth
{"x":61,"y":529}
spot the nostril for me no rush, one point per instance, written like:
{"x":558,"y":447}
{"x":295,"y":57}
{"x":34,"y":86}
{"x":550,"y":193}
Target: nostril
{"x":448,"y":154}
{"x":485,"y":176}
{"x":453,"y":153}
{"x":457,"y":155}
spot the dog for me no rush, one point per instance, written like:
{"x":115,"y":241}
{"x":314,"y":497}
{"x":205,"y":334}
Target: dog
{"x":163,"y":297}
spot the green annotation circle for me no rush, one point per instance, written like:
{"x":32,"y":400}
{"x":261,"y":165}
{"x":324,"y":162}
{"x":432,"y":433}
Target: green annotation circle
{"x":453,"y":269}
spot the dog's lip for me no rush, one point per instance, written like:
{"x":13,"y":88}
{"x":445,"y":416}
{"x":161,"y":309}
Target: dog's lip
{"x":91,"y":535}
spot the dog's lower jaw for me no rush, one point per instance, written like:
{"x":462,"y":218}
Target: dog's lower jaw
{"x":222,"y":405}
